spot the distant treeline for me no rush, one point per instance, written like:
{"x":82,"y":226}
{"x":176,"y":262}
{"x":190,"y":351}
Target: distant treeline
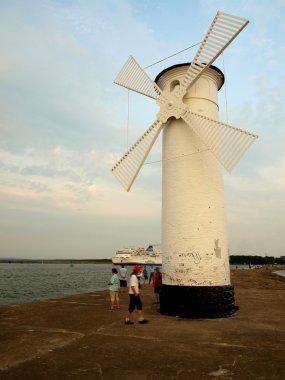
{"x":255,"y":260}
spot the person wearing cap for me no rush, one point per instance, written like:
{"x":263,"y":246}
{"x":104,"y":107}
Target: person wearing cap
{"x":157,"y":282}
{"x":134,"y":294}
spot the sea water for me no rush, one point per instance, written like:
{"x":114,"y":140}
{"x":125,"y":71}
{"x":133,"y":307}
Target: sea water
{"x":21,"y":283}
{"x":280,"y":272}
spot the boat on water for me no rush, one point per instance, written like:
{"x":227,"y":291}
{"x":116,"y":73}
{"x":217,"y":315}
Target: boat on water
{"x":138,"y":255}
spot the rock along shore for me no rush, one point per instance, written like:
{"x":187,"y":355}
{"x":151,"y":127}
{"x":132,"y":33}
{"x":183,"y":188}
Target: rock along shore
{"x":78,"y":337}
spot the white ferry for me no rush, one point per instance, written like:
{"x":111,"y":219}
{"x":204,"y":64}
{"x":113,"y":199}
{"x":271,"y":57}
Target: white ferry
{"x":138,"y":255}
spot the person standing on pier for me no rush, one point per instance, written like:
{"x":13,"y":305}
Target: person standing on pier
{"x":114,"y":289}
{"x":134,"y":294}
{"x":151,"y":274}
{"x":157,"y":282}
{"x":145,"y":274}
{"x":123,"y":273}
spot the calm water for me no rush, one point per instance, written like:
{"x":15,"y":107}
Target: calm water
{"x":21,"y":283}
{"x":25,"y":282}
{"x":280,"y":273}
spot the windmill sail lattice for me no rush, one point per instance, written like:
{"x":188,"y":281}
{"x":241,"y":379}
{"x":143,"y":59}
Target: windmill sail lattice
{"x":227,"y":143}
{"x":129,"y":165}
{"x":133,"y":77}
{"x":221,"y":33}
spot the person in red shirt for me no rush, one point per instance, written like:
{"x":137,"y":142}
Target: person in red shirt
{"x":157,"y":282}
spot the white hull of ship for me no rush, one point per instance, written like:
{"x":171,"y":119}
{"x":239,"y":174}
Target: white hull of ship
{"x":135,"y":260}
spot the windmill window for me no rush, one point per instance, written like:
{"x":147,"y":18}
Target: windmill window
{"x":173,"y":84}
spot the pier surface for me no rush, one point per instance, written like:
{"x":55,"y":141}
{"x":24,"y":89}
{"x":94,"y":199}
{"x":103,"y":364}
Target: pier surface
{"x":78,"y":337}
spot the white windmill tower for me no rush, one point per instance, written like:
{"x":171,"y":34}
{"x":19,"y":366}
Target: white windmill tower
{"x":196,"y":274}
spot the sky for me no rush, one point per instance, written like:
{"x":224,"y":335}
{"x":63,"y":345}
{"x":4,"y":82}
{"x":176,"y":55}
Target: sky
{"x":64,"y":123}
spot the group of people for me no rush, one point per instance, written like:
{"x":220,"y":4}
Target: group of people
{"x":119,"y":281}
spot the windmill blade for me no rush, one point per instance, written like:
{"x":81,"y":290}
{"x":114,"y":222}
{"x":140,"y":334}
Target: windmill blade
{"x":133,"y":77}
{"x":128,"y":167}
{"x":227,"y":143}
{"x":221,"y":33}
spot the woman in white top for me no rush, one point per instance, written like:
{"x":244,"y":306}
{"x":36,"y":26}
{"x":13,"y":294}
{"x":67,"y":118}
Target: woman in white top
{"x":123,"y":273}
{"x":134,"y":294}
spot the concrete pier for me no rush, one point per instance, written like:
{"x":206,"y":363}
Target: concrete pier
{"x":78,"y":337}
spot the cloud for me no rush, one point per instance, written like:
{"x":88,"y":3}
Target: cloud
{"x":71,"y":181}
{"x":273,"y":174}
{"x":56,"y":150}
{"x":63,"y":121}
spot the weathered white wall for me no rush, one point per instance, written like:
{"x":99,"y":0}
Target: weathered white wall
{"x":194,"y":236}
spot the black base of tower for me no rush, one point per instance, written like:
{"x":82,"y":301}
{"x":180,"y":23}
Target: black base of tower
{"x":197,"y":301}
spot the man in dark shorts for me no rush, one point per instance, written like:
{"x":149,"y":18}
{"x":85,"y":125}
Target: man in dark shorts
{"x":157,"y":282}
{"x":123,"y":275}
{"x":135,"y":301}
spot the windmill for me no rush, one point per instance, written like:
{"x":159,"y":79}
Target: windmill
{"x":195,"y":264}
